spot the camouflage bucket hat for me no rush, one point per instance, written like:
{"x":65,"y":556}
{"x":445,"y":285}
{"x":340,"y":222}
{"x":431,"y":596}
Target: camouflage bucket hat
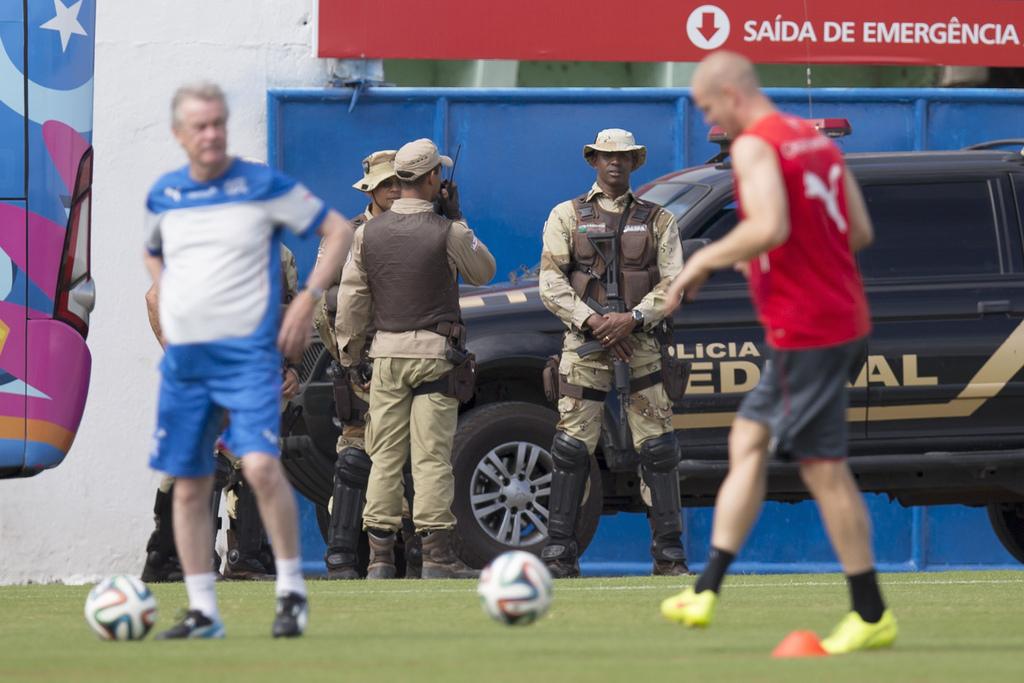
{"x":377,"y":168}
{"x":616,"y":140}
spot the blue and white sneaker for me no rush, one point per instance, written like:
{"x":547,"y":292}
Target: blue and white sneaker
{"x":195,"y":624}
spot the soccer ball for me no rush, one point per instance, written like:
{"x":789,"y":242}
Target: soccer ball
{"x":120,"y":608}
{"x":515,"y":588}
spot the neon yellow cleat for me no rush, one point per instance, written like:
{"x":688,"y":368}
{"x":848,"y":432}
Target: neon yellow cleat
{"x":853,"y":633}
{"x":690,"y":608}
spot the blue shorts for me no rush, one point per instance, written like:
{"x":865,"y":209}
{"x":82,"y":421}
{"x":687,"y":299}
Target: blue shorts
{"x":191,"y":414}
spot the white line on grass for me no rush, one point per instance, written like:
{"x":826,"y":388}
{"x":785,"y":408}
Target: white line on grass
{"x":888,"y":582}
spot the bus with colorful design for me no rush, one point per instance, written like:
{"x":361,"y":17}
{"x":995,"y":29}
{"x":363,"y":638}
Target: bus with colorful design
{"x":46,"y":288}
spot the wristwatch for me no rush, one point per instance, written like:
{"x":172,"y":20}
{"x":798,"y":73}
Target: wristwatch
{"x":638,"y":317}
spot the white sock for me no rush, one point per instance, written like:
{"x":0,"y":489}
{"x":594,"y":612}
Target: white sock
{"x":202,"y":595}
{"x":289,"y":576}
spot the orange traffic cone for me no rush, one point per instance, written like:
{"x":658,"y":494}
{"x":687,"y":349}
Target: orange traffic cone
{"x":799,"y":644}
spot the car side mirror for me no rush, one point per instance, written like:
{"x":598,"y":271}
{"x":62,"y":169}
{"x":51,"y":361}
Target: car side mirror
{"x":691,"y":246}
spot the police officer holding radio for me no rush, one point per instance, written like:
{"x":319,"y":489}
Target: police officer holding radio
{"x":402,"y":280}
{"x":608,"y":258}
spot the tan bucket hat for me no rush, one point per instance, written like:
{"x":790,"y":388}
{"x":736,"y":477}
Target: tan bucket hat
{"x":418,"y":157}
{"x":377,"y":168}
{"x":616,"y":140}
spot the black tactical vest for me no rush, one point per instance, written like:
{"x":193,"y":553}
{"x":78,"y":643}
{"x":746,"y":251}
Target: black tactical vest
{"x":638,"y":251}
{"x":406,"y":261}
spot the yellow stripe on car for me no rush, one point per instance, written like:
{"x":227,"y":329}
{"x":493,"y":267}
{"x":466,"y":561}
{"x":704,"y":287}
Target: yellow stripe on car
{"x":990,"y":379}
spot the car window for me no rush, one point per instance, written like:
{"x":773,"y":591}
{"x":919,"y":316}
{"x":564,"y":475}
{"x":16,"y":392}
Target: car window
{"x":718,"y":226}
{"x":676,"y":198}
{"x":931,"y":230}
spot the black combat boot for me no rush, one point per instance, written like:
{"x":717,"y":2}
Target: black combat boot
{"x":562,"y":558}
{"x":659,"y":459}
{"x":571,"y":463}
{"x":351,"y":473}
{"x":162,"y":563}
{"x":669,"y":558}
{"x":249,"y":557}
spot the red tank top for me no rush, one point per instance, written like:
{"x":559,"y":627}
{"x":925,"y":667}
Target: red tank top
{"x":808,"y":291}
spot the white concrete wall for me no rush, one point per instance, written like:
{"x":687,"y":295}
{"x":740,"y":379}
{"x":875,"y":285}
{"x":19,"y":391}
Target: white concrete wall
{"x":91,"y":516}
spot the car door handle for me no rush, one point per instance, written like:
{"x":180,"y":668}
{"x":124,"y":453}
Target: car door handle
{"x":991,"y":307}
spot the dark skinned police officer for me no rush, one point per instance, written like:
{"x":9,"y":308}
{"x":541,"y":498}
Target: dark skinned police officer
{"x":402,"y":280}
{"x":574,"y":285}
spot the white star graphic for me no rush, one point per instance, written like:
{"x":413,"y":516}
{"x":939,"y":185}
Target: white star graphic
{"x":65,"y":22}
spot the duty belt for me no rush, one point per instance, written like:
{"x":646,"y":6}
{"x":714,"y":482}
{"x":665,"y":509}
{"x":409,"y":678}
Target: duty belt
{"x":588,"y":394}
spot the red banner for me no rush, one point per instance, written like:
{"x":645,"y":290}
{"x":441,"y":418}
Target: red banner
{"x":976,"y":33}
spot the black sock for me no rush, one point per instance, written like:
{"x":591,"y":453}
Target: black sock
{"x":865,"y":596}
{"x":718,"y":562}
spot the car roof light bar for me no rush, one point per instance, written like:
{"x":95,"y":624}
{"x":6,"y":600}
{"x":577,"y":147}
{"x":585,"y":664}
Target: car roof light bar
{"x":829,"y":127}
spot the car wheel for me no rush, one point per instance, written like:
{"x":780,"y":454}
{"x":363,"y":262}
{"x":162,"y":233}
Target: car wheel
{"x":1008,"y":522}
{"x":502,"y":467}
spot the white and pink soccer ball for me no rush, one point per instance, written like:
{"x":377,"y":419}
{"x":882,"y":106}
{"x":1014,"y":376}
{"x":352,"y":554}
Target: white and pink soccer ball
{"x":120,"y":608}
{"x":515,"y":588}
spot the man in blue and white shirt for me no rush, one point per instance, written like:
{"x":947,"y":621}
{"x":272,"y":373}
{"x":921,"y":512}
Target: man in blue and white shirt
{"x":213,"y":235}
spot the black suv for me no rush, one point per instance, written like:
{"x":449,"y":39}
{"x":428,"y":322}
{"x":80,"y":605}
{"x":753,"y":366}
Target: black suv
{"x":937,"y":412}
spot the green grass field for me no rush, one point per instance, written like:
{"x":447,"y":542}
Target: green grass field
{"x":960,"y":627}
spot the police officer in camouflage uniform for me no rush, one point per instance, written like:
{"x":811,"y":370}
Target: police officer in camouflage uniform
{"x":381,"y":187}
{"x":403,"y":280}
{"x":572,"y":284}
{"x":249,"y":555}
{"x":352,"y":467}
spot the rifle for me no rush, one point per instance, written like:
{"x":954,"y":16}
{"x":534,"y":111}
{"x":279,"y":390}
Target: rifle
{"x":607,"y":245}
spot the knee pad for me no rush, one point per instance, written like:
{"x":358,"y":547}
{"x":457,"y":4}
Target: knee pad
{"x":569,"y":453}
{"x":353,"y":467}
{"x":660,"y":454}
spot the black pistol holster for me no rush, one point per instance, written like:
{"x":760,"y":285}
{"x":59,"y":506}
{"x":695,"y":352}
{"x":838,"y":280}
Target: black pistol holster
{"x":349,"y":408}
{"x":459,"y":382}
{"x":675,"y":372}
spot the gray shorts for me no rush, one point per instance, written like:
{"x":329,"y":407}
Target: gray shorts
{"x":802,"y":398}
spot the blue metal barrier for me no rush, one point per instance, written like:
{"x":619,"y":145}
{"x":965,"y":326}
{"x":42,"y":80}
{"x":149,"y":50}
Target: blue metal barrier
{"x":522,"y":148}
{"x":522,"y":154}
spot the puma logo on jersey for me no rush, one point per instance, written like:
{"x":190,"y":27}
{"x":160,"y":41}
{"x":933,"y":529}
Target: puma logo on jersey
{"x":815,"y":188}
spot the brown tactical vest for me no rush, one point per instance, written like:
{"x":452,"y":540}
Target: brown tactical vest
{"x":638,"y":251}
{"x":406,"y":261}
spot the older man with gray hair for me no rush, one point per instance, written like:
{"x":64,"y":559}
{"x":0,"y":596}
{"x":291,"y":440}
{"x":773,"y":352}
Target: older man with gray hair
{"x":212,"y":236}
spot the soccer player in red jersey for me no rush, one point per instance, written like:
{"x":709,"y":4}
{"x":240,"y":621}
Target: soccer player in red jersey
{"x":802,"y":219}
